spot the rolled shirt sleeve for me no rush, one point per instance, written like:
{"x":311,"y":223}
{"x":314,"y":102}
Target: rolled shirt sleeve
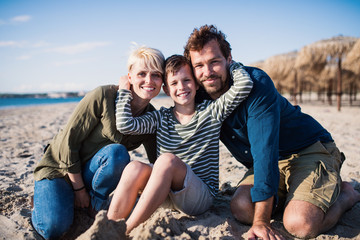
{"x":263,"y":132}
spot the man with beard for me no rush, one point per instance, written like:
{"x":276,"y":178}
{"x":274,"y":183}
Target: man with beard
{"x":293,"y":161}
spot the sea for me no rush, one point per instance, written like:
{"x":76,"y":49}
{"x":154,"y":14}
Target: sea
{"x":22,"y":102}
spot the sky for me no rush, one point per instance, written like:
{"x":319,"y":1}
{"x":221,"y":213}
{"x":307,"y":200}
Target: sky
{"x":77,"y":45}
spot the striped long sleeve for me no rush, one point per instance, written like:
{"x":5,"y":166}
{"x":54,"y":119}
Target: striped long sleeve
{"x":197,"y":142}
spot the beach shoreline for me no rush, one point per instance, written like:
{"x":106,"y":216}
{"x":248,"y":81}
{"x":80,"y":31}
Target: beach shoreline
{"x":25,"y":131}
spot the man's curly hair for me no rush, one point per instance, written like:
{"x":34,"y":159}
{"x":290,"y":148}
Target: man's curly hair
{"x":201,"y":36}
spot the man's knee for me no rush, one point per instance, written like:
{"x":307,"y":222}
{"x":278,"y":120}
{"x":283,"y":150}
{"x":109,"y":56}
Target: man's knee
{"x":241,"y":205}
{"x":302,"y":219}
{"x":301,"y":228}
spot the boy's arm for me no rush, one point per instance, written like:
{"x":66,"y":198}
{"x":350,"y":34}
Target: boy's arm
{"x":126,"y":123}
{"x":237,"y":93}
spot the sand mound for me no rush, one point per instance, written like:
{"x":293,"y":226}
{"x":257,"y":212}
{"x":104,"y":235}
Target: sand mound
{"x":105,"y":229}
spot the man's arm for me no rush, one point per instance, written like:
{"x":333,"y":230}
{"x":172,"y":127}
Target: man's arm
{"x":263,"y":126}
{"x":263,"y":112}
{"x":262,"y":217}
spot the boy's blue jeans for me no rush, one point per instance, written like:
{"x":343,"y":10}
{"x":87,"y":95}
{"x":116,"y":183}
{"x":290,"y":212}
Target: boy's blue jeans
{"x":53,"y":211}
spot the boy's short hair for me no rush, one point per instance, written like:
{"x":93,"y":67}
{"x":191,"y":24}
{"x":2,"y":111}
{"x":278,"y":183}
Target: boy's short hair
{"x":201,"y":36}
{"x":152,"y":58}
{"x":174,"y":63}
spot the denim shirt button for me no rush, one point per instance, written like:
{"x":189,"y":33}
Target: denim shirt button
{"x":232,"y":137}
{"x":246,"y":152}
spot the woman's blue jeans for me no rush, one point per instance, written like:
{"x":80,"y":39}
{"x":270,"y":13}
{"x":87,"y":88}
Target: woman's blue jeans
{"x":53,"y":211}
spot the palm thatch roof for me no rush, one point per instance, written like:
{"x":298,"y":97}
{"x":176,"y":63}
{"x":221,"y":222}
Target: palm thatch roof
{"x":280,"y":66}
{"x":281,"y":69}
{"x":258,"y":64}
{"x":316,"y":55}
{"x":352,"y":61}
{"x":328,"y":73}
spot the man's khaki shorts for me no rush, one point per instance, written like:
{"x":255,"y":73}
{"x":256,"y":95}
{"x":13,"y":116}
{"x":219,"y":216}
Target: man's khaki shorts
{"x":312,"y":175}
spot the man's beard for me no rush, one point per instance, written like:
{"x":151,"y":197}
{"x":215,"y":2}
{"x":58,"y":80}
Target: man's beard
{"x":219,"y":87}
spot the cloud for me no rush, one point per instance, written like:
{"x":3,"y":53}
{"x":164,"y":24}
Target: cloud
{"x":16,"y":20}
{"x":23,"y":88}
{"x":11,"y":44}
{"x":79,"y":48}
{"x":72,"y":62}
{"x":64,"y":86}
{"x":61,"y":87}
{"x":20,"y":19}
{"x":40,"y":44}
{"x":23,"y":57}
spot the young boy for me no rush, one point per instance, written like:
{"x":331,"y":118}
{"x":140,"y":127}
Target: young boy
{"x":187,"y":168}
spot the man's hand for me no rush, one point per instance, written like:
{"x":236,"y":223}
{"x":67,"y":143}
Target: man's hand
{"x":124,"y":82}
{"x":261,"y":228}
{"x":82,"y":198}
{"x":263,"y":231}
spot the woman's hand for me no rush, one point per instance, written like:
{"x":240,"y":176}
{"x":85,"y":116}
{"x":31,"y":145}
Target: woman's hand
{"x":82,"y":198}
{"x":124,"y":82}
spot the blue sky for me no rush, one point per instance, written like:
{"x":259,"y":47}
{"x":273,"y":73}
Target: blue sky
{"x":48,"y":46}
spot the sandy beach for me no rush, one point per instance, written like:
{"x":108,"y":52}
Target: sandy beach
{"x":25,"y":131}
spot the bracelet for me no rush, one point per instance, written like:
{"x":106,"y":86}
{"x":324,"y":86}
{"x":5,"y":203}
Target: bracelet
{"x":75,"y":190}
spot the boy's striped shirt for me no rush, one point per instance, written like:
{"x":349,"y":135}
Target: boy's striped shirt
{"x":197,"y":142}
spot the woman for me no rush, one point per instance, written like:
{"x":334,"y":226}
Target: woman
{"x":83,"y":163}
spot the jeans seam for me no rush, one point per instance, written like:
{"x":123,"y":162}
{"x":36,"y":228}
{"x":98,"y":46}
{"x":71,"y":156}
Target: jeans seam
{"x":98,"y":173}
{"x":38,"y":225}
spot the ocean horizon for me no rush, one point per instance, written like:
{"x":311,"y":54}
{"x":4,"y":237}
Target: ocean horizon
{"x":15,"y":102}
{"x":6,"y":103}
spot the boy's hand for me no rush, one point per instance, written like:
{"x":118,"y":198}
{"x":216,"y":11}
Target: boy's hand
{"x":124,"y":82}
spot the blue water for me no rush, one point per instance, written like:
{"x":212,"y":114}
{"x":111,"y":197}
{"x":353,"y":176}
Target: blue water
{"x":21,"y":102}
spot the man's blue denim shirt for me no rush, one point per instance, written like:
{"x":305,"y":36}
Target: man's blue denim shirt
{"x":264,"y":129}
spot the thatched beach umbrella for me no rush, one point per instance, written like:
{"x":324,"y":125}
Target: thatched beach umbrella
{"x":282,"y":71}
{"x":352,"y":64}
{"x":261,"y":65}
{"x":352,"y":60}
{"x":315,"y":56}
{"x":326,"y":80}
{"x":258,"y":64}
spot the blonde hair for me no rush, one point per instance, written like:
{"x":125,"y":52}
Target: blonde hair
{"x":151,"y":58}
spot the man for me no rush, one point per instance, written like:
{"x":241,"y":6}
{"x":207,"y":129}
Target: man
{"x":290,"y":156}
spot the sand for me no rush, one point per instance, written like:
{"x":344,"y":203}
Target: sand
{"x":25,"y":131}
